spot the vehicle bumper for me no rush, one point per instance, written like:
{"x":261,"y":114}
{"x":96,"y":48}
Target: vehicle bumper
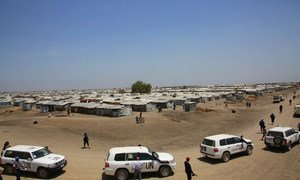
{"x":58,"y":168}
{"x":109,"y":172}
{"x":214,"y":156}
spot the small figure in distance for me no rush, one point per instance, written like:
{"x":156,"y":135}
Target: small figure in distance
{"x":262,"y":125}
{"x":280,"y":108}
{"x":137,"y":120}
{"x":264,"y":133}
{"x":174,"y":106}
{"x":290,"y":101}
{"x":272,"y":116}
{"x":86,"y":140}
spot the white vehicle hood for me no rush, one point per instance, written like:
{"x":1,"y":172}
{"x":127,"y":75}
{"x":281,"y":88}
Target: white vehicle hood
{"x":165,"y":156}
{"x":50,"y":159}
{"x":248,"y":140}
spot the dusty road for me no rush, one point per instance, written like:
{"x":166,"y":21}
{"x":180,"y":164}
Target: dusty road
{"x":176,"y":132}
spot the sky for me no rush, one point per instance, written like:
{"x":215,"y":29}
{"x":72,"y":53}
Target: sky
{"x":91,"y":44}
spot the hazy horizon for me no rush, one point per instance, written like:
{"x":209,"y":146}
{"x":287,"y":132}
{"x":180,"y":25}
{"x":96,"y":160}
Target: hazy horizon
{"x":64,"y":44}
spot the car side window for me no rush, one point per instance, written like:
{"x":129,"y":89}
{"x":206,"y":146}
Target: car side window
{"x":237,"y":140}
{"x":287,"y":133}
{"x":230,"y":141}
{"x":10,"y":154}
{"x":120,"y":157}
{"x":293,"y":131}
{"x":24,"y":155}
{"x":222,"y":142}
{"x":131,"y":156}
{"x":145,"y":156}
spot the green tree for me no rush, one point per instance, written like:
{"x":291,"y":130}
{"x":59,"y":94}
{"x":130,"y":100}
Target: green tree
{"x":141,"y":87}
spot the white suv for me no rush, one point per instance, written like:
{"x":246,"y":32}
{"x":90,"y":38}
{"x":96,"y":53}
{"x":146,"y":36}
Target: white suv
{"x":282,"y":137}
{"x":34,"y":159}
{"x":120,"y":160}
{"x":222,"y":146}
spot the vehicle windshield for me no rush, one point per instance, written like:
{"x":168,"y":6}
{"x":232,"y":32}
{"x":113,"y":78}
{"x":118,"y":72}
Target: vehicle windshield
{"x":274,"y":134}
{"x":153,"y":153}
{"x":40,"y":153}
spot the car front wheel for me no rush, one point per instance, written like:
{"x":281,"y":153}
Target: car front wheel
{"x":8,"y":169}
{"x":122,"y":174}
{"x":226,"y":157}
{"x":249,"y":150}
{"x":43,"y":172}
{"x":289,"y":146}
{"x":164,"y":171}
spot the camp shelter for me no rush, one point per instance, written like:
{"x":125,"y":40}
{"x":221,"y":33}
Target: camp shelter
{"x":178,"y":100}
{"x":189,"y":106}
{"x":163,"y":103}
{"x":50,"y":106}
{"x":113,"y":110}
{"x":27,"y":105}
{"x":140,"y":106}
{"x":84,"y":108}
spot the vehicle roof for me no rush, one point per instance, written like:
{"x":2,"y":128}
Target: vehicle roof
{"x":26,"y":148}
{"x":220,"y":136}
{"x":280,"y":129}
{"x":297,"y":105}
{"x":128,"y":149}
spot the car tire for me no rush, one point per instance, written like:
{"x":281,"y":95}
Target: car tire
{"x":8,"y":169}
{"x":226,"y":157}
{"x":43,"y":173}
{"x":164,"y":171}
{"x":122,"y":174}
{"x":249,"y":150}
{"x":289,"y":146}
{"x":277,"y":140}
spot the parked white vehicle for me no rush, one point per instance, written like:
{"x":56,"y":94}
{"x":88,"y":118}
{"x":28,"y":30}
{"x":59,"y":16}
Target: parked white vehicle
{"x":297,"y":110}
{"x":34,"y":159}
{"x":222,"y":146}
{"x":120,"y":161}
{"x":282,"y":137}
{"x":276,"y":99}
{"x":281,"y":97}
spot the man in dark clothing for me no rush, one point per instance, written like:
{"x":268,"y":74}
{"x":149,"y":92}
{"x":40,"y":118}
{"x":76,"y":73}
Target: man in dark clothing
{"x":262,"y":125}
{"x":280,"y":108}
{"x":290,"y":101}
{"x":272,"y":116}
{"x":86,"y":140}
{"x":188,"y":169}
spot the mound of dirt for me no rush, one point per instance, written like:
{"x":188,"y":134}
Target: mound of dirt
{"x":204,"y":109}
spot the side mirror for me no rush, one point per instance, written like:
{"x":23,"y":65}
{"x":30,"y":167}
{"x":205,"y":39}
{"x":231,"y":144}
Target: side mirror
{"x":29,"y":159}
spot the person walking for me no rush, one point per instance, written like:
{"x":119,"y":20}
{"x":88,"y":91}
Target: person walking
{"x":290,"y":101}
{"x":1,"y":169}
{"x":299,"y":127}
{"x":5,"y":146}
{"x":137,"y":167}
{"x":17,"y":168}
{"x":188,"y":169}
{"x":264,"y":133}
{"x":262,"y":125}
{"x":280,"y":108}
{"x":86,"y":140}
{"x":272,"y":116}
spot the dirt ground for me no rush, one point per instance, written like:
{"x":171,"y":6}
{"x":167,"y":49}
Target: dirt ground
{"x":174,"y":131}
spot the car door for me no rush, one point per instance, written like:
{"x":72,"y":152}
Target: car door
{"x":234,"y":144}
{"x":148,"y":162}
{"x":129,"y":161}
{"x":25,"y":160}
{"x":240,"y":145}
{"x":230,"y":145}
{"x":294,"y":137}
